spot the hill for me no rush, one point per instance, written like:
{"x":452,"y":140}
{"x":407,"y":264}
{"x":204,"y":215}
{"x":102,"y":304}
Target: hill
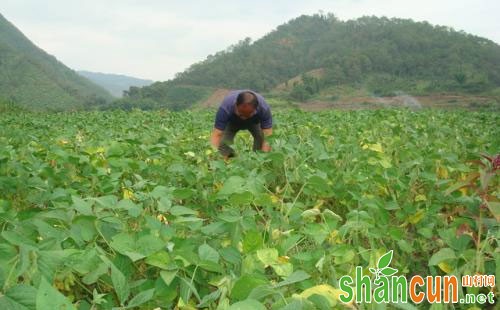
{"x":32,"y":78}
{"x":380,"y":55}
{"x":116,"y":84}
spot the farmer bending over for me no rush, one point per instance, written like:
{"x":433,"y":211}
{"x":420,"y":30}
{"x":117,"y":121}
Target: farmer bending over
{"x":242,"y":109}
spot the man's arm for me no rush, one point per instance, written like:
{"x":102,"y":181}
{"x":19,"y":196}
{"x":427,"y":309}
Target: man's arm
{"x":216,"y":137}
{"x":266,"y":125}
{"x":221,"y":119}
{"x":265,"y":146}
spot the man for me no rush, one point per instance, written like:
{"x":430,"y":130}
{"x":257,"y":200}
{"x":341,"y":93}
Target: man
{"x":242,"y":110}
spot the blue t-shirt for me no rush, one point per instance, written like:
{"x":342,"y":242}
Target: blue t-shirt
{"x":226,"y":115}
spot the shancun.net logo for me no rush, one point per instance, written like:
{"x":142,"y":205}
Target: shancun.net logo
{"x":387,"y":287}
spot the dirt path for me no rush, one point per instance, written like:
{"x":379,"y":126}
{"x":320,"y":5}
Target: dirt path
{"x":215,"y":98}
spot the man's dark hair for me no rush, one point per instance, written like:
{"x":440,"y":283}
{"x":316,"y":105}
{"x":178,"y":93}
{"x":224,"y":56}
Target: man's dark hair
{"x":247,"y":97}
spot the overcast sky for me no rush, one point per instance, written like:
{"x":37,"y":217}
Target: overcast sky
{"x":154,"y":39}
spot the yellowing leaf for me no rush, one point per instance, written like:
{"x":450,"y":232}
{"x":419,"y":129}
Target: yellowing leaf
{"x":268,"y":256}
{"x":311,"y":213}
{"x":128,"y":194}
{"x":385,"y":162}
{"x":329,"y":292}
{"x":377,"y":147}
{"x":334,"y":237}
{"x":420,"y":197}
{"x":442,"y":172}
{"x":283,"y":269}
{"x":319,"y":204}
{"x":162,"y":218}
{"x":417,"y":217}
{"x":276,"y":234}
{"x":274,"y":198}
{"x":445,"y":267}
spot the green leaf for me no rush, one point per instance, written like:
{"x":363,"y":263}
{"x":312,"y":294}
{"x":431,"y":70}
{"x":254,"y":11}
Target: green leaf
{"x":168,"y":276}
{"x":136,"y":247}
{"x":283,"y":269}
{"x":385,"y":260}
{"x":160,"y":192}
{"x":243,"y":198}
{"x":183,"y":193}
{"x":405,"y":246}
{"x":18,"y":239}
{"x":330,"y":293}
{"x":442,"y":255}
{"x":252,"y":241}
{"x":455,"y":187}
{"x":231,"y":255}
{"x":494,"y":208}
{"x":318,"y":184}
{"x":94,"y":275}
{"x":247,"y":304}
{"x":244,"y":285}
{"x":181,"y":210}
{"x":210,"y":266}
{"x":187,"y":287}
{"x":108,"y":202}
{"x":159,"y":259}
{"x":320,"y":301}
{"x":48,"y":297}
{"x":49,"y":261}
{"x":261,"y":292}
{"x":82,"y":206}
{"x":461,"y":184}
{"x":141,"y":298}
{"x":232,"y":185}
{"x":164,"y":204}
{"x":133,"y":209}
{"x":230,"y":216}
{"x":207,"y":299}
{"x":120,"y":284}
{"x":295,"y":277}
{"x":83,"y":228}
{"x":206,"y":252}
{"x":20,"y":297}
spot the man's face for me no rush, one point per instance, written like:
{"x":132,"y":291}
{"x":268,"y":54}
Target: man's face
{"x":245,"y":110}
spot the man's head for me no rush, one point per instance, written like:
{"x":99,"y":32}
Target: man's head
{"x":246,"y":104}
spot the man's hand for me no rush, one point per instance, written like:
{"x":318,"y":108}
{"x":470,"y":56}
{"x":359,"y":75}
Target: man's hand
{"x":265,"y":146}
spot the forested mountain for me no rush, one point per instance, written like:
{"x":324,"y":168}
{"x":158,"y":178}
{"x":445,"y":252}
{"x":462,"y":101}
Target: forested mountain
{"x":32,"y":78}
{"x":380,"y":54}
{"x":114,"y":83}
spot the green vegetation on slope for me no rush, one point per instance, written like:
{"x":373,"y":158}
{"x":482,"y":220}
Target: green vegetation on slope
{"x":380,"y":54}
{"x":161,"y":95}
{"x":134,"y":209}
{"x":32,"y":78}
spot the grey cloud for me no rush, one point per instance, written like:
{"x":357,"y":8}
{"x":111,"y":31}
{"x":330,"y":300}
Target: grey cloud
{"x":157,"y":38}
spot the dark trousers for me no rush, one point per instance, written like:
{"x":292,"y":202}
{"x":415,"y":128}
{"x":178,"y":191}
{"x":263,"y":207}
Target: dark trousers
{"x":230,"y":133}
